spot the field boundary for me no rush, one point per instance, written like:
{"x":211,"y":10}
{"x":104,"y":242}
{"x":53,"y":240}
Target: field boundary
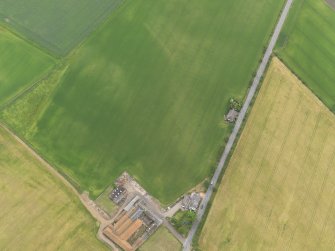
{"x":332,"y":110}
{"x":31,"y":87}
{"x":53,"y":171}
{"x":53,"y":49}
{"x":285,"y":162}
{"x":21,"y":36}
{"x":239,"y":122}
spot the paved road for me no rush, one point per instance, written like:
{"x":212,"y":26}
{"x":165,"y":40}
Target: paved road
{"x":173,"y":231}
{"x":152,"y":206}
{"x":173,"y":210}
{"x":188,"y":242}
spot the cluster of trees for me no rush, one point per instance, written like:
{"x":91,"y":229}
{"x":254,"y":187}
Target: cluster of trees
{"x":235,"y":104}
{"x":182,"y":221}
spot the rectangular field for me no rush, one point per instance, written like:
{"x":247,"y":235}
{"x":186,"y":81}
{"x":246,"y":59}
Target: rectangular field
{"x":148,"y":93}
{"x":37,"y":211}
{"x":278,"y":190}
{"x":56,"y":25}
{"x":161,"y":240}
{"x":307,"y":45}
{"x":20,"y":64}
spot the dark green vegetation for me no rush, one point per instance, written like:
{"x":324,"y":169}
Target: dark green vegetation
{"x":235,"y":104}
{"x":182,"y":221}
{"x":307,"y":46}
{"x":147,"y":93}
{"x":56,"y":25}
{"x":20,"y":65}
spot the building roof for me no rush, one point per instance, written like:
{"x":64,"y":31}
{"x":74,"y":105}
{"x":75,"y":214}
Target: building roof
{"x":108,"y":231}
{"x":232,"y":115}
{"x":118,"y":194}
{"x":191,"y":201}
{"x":186,"y":201}
{"x":131,"y":203}
{"x":195,"y":201}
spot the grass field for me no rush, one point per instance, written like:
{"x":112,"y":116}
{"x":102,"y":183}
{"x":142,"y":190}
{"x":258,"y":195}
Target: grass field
{"x":162,"y":240}
{"x":16,"y":56}
{"x":37,"y":211}
{"x":307,"y":46}
{"x":105,"y":203}
{"x":148,"y":93}
{"x":278,"y":190}
{"x":24,"y":113}
{"x":56,"y":25}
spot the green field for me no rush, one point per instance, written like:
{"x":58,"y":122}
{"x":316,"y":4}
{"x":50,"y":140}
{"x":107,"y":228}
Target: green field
{"x":162,"y":240}
{"x":278,"y":189}
{"x":307,"y":46}
{"x":37,"y":211}
{"x":56,"y":25}
{"x":20,"y":65}
{"x":105,"y":203}
{"x":148,"y":93}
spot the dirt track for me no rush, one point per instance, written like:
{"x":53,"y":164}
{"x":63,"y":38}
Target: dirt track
{"x":84,"y":198}
{"x":331,"y":3}
{"x":89,"y":205}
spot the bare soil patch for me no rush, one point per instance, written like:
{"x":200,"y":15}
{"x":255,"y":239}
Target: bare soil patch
{"x":331,"y":3}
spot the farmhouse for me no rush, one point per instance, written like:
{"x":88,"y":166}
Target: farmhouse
{"x":191,"y":202}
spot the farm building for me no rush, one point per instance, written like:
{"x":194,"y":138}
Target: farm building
{"x":133,"y":225}
{"x":118,"y":194}
{"x":232,"y":116}
{"x":191,"y":202}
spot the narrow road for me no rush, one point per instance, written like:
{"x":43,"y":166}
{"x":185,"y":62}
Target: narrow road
{"x":173,"y":210}
{"x":85,"y":200}
{"x":173,"y":231}
{"x":82,"y":197}
{"x":260,"y":72}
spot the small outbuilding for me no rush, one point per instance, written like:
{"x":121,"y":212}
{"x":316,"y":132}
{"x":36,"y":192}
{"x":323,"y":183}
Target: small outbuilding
{"x":232,"y":116}
{"x":195,"y":201}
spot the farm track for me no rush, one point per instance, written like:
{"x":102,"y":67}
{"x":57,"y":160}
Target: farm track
{"x":88,"y":204}
{"x":233,"y":136}
{"x":82,"y":197}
